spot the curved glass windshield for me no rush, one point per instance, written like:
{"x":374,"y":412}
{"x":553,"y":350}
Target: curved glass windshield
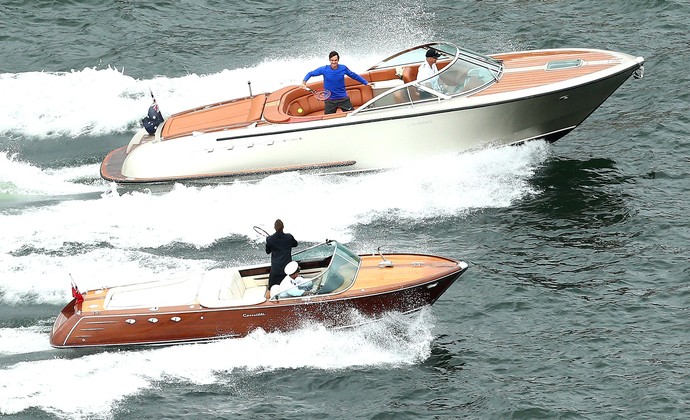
{"x":338,"y":276}
{"x":416,"y":55}
{"x":461,"y":77}
{"x":460,"y":73}
{"x":317,"y":252}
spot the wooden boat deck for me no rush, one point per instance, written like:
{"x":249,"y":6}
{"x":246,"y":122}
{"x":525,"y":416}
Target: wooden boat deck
{"x":185,"y":293}
{"x":287,"y":105}
{"x":529,"y":69}
{"x":214,"y":117}
{"x":409,"y":269}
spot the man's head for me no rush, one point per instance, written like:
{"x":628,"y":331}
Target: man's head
{"x":278,"y":225}
{"x":432,"y":55}
{"x":333,"y":57}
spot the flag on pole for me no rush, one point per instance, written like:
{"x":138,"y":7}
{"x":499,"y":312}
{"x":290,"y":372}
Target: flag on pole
{"x":154,"y":117}
{"x":76,"y":294}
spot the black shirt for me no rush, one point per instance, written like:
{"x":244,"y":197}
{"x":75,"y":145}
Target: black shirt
{"x":279,"y":245}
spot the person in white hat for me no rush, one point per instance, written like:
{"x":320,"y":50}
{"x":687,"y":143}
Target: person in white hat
{"x":293,"y":284}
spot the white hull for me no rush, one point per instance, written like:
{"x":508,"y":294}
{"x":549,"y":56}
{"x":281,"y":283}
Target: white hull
{"x":377,"y":139}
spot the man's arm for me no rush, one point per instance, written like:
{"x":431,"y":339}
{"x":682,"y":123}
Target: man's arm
{"x":356,"y":76}
{"x":315,"y":72}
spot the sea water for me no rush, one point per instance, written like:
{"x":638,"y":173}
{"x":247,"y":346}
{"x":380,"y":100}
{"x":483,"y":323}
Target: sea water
{"x":576,"y":301}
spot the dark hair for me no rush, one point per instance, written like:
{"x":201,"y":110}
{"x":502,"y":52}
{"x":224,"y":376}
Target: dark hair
{"x":332,"y":54}
{"x":278,"y":225}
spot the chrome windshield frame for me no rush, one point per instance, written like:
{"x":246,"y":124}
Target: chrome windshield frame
{"x":338,"y":254}
{"x":492,"y":71}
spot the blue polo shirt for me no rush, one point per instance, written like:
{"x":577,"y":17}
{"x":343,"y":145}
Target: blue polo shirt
{"x":334,"y":80}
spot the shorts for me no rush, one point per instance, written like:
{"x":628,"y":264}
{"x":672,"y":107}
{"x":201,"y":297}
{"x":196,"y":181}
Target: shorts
{"x":330,"y":106}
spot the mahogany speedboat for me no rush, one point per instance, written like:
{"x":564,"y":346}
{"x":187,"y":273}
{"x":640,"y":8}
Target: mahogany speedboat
{"x":225,"y":303}
{"x":473,"y":102}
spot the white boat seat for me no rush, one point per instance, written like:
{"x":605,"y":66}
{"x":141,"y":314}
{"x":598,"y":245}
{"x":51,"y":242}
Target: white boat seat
{"x":222,"y":288}
{"x":153,"y":294}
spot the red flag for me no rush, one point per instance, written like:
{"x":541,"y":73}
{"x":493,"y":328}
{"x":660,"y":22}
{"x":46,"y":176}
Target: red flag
{"x":76,"y":294}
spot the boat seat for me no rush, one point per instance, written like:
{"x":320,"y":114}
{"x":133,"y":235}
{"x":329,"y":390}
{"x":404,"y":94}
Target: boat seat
{"x":308,"y":104}
{"x":301,"y":103}
{"x":410,"y":75}
{"x":151,"y":294}
{"x":273,"y":112}
{"x":380,"y":75}
{"x":359,"y":95}
{"x":477,"y":77}
{"x":222,"y":288}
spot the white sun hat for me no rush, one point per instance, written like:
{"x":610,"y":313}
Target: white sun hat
{"x":291,"y":268}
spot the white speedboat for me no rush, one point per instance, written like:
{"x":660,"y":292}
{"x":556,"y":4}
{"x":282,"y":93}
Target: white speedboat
{"x":474,"y":101}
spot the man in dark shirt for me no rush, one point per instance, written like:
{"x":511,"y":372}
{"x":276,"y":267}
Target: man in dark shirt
{"x":279,"y":245}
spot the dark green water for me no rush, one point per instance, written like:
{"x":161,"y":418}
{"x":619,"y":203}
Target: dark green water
{"x":576,"y":303}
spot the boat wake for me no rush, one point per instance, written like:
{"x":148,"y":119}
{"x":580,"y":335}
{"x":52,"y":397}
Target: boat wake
{"x":96,"y":102}
{"x":24,"y":340}
{"x":22,"y":179}
{"x":38,"y":254}
{"x":108,"y":378}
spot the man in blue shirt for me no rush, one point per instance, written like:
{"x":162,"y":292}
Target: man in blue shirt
{"x":334,"y":81}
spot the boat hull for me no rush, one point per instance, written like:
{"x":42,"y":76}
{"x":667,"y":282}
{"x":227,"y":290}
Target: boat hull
{"x":175,"y":325}
{"x":383,"y":138}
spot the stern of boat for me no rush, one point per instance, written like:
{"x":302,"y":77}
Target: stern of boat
{"x":140,"y":137}
{"x":62,"y":325}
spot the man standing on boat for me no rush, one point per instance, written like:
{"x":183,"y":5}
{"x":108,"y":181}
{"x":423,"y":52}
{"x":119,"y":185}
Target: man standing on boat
{"x":334,"y":81}
{"x":279,"y":245}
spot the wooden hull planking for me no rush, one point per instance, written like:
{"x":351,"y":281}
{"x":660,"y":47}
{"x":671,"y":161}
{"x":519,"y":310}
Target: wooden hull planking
{"x":416,"y":281}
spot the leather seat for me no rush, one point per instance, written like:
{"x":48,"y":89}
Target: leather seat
{"x":410,"y":75}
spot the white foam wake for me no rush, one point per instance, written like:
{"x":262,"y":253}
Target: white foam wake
{"x":106,"y":379}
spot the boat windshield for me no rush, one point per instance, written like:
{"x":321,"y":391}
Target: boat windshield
{"x":461,"y":73}
{"x":415,"y":55}
{"x":338,"y":275}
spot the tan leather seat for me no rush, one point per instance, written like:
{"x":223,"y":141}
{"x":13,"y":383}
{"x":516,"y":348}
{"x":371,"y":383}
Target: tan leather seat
{"x":410,"y":75}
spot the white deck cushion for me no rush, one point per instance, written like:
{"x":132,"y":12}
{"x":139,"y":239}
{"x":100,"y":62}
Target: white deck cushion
{"x":222,"y":288}
{"x":180,"y":291}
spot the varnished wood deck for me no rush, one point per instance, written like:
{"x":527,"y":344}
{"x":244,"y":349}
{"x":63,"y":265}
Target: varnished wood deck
{"x":409,"y":269}
{"x":232,"y":114}
{"x":528,"y":69}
